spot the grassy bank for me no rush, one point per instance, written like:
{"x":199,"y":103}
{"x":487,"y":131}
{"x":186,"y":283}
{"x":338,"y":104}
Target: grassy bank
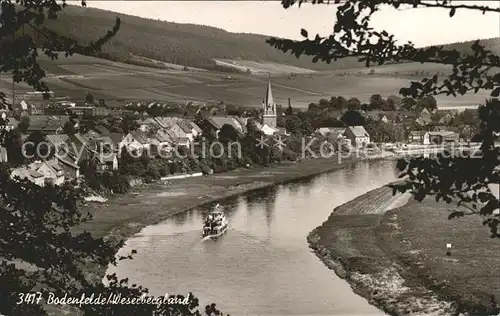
{"x":416,"y":236}
{"x":153,"y":203}
{"x":350,"y":242}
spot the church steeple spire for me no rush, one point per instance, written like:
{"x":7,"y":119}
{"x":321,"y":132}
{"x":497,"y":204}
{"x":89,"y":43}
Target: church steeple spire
{"x":270,"y":113}
{"x":269,"y":106}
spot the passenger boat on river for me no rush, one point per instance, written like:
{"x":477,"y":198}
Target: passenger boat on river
{"x":216,"y":224}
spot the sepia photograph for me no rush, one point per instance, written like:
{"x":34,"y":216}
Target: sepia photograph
{"x":249,"y":158}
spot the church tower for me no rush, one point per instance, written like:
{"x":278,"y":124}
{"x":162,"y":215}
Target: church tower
{"x":270,"y":115}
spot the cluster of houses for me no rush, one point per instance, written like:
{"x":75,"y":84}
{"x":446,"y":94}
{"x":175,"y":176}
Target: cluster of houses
{"x":104,"y":147}
{"x":352,"y":136}
{"x":168,"y":132}
{"x":357,"y":136}
{"x":436,"y":137}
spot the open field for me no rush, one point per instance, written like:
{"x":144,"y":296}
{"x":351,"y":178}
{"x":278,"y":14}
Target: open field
{"x":417,"y":234}
{"x":261,"y":67}
{"x":395,"y":255}
{"x":347,"y":242}
{"x":114,"y":81}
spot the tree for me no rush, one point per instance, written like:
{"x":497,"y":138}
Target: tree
{"x":69,"y":127}
{"x":353,"y":118}
{"x":289,"y":110}
{"x":394,"y":102}
{"x":24,"y":123}
{"x":449,"y":179}
{"x":89,"y":98}
{"x":312,"y":107}
{"x":342,"y":102}
{"x":293,"y":124}
{"x":13,"y":143}
{"x":377,"y":102}
{"x":38,"y":249}
{"x":409,"y":104}
{"x":37,"y":147}
{"x":228,"y":133}
{"x":354,"y":104}
{"x":128,"y":125}
{"x":427,"y":102}
{"x":455,"y":179}
{"x":323,"y":104}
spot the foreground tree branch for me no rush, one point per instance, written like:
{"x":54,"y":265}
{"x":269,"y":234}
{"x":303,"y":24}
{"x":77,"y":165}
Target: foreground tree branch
{"x":458,"y":177}
{"x":38,"y":251}
{"x":355,"y":37}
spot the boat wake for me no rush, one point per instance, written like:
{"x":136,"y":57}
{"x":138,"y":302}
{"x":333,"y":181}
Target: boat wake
{"x":205,"y":238}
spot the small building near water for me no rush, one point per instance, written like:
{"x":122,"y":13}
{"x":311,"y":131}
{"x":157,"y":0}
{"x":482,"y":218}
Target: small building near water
{"x":358,"y":136}
{"x":416,"y":137}
{"x":440,"y":137}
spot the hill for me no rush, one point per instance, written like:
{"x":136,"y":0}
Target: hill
{"x":147,"y":42}
{"x":182,"y":44}
{"x":121,"y":73}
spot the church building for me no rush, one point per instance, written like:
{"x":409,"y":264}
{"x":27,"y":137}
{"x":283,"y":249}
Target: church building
{"x":270,"y":115}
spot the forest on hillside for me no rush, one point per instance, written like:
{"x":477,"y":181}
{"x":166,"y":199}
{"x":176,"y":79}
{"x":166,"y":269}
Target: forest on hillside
{"x":184,"y":44}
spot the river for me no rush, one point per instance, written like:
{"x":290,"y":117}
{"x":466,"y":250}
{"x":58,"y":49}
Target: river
{"x":262,"y":265}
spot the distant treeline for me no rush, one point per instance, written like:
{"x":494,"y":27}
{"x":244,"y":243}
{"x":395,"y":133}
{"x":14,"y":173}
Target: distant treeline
{"x":183,"y":44}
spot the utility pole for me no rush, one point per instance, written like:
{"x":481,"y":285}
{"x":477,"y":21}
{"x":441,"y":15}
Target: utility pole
{"x":13,"y":91}
{"x":13,"y":82}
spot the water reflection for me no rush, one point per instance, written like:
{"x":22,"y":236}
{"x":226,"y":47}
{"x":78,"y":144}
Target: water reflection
{"x":262,"y":265}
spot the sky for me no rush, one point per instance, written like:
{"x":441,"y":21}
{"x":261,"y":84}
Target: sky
{"x":427,"y":26}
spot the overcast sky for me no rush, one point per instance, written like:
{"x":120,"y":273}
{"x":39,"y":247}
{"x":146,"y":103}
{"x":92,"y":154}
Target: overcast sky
{"x":421,"y":26}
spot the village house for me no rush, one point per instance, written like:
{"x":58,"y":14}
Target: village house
{"x":66,"y":154}
{"x":102,"y":150}
{"x":186,"y":129}
{"x":87,"y":110}
{"x":162,"y":140}
{"x":91,"y":134}
{"x":149,"y":124}
{"x":135,"y":140}
{"x":70,"y":168}
{"x":166,"y":122}
{"x":101,"y":130}
{"x":3,"y":154}
{"x":47,"y":124}
{"x":333,"y":134}
{"x":24,"y":173}
{"x":416,"y":137}
{"x":424,"y":118}
{"x":106,"y":162}
{"x":110,"y":142}
{"x":439,"y":128}
{"x":446,"y":120}
{"x":28,"y":107}
{"x":268,"y":130}
{"x":215,"y":123}
{"x":10,"y":123}
{"x":440,"y":137}
{"x":326,"y":131}
{"x":358,"y":136}
{"x":52,"y":172}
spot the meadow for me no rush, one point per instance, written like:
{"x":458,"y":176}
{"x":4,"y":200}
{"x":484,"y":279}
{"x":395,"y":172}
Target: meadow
{"x":115,"y":81}
{"x":417,"y":235}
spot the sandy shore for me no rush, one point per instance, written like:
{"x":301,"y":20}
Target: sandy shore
{"x":349,"y":243}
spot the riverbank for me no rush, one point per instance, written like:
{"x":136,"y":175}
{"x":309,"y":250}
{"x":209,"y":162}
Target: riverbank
{"x":126,"y":214}
{"x":352,"y":242}
{"x":396,"y":256}
{"x":416,"y":236}
{"x":112,"y":219}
